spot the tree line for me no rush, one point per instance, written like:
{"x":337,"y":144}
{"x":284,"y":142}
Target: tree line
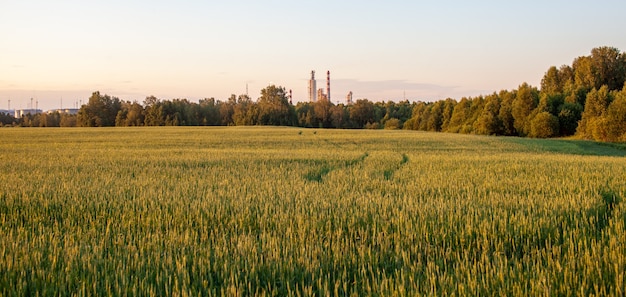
{"x":587,"y":99}
{"x":271,"y":108}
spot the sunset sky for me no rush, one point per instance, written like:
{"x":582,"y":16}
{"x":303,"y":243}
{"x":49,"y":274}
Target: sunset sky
{"x":63,"y":50}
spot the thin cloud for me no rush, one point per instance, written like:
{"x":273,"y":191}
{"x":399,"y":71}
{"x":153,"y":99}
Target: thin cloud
{"x":382,"y":85}
{"x":395,"y":89}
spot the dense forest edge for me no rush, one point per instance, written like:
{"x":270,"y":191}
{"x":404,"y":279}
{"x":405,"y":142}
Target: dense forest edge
{"x":586,"y":99}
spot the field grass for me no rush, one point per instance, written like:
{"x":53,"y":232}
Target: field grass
{"x":286,"y":211}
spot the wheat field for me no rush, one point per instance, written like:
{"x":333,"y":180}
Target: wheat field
{"x":240,"y":211}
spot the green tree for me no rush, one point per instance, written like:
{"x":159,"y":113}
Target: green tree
{"x":274,"y":107}
{"x":488,"y":122}
{"x":339,"y":116}
{"x":425,"y":116}
{"x":154,"y":115}
{"x":226,"y":110}
{"x":245,"y":112}
{"x":210,"y":112}
{"x":52,"y":119}
{"x":583,"y":73}
{"x":544,"y":125}
{"x":7,"y":119}
{"x":608,"y":68}
{"x":446,"y":114}
{"x":362,"y":112}
{"x":131,"y":114}
{"x":476,"y":106}
{"x":525,"y":102}
{"x":100,"y":111}
{"x":595,"y":107}
{"x":435,"y":119}
{"x":68,"y":120}
{"x":551,"y":82}
{"x":569,"y":115}
{"x":392,"y":124}
{"x":556,"y":80}
{"x":460,"y":114}
{"x":305,"y":114}
{"x":401,"y":111}
{"x":321,"y":109}
{"x":616,"y":118}
{"x":505,"y":115}
{"x":417,"y":116}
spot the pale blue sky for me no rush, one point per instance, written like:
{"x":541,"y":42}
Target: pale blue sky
{"x":430,"y":50}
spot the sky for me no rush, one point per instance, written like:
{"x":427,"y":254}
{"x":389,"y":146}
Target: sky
{"x":59,"y":52}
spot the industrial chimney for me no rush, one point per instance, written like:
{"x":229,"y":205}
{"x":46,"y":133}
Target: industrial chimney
{"x":328,"y":85}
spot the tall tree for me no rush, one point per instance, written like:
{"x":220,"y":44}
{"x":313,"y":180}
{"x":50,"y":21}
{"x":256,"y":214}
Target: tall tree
{"x":583,"y":73}
{"x":154,"y":114}
{"x":616,"y":117}
{"x":551,"y":82}
{"x":488,"y":122}
{"x":362,"y":112}
{"x":245,"y":112}
{"x":446,"y":114}
{"x":339,"y":116}
{"x":100,"y":111}
{"x":210,"y":112}
{"x":226,"y":110}
{"x":505,"y":115}
{"x":435,"y":119}
{"x":460,"y":114}
{"x":322,"y":109}
{"x":591,"y":125}
{"x":525,"y":102}
{"x":274,"y":107}
{"x":608,"y":67}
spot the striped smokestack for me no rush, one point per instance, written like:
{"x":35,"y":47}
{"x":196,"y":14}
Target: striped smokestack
{"x":328,"y":85}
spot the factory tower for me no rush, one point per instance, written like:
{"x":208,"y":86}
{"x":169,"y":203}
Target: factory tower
{"x":313,"y":96}
{"x":312,"y":88}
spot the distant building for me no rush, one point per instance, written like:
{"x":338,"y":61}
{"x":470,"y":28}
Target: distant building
{"x":64,"y":111}
{"x":321,"y":96}
{"x":6,"y":111}
{"x":349,"y":98}
{"x":22,"y":112}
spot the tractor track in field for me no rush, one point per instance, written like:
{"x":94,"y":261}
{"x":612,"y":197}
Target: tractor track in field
{"x":388,"y":174}
{"x":319,"y":174}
